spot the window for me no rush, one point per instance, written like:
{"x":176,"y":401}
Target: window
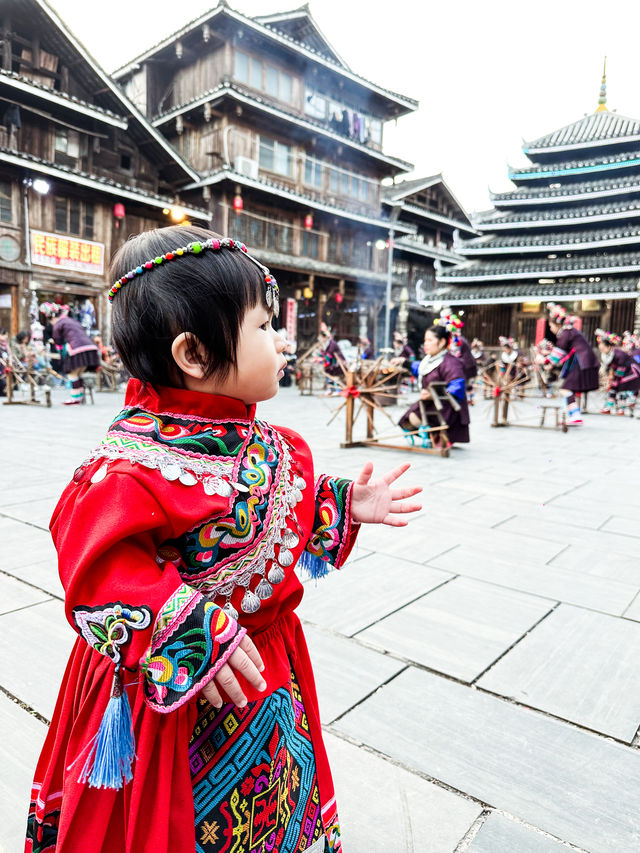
{"x":241,"y":67}
{"x":309,"y":244}
{"x":74,"y":217}
{"x":267,"y":78}
{"x":255,"y":73}
{"x":375,"y":130}
{"x":125,"y":162}
{"x":275,"y":156}
{"x":5,"y":201}
{"x":333,"y":180}
{"x":344,"y":183}
{"x":272,"y":81}
{"x":313,"y":172}
{"x":68,"y":142}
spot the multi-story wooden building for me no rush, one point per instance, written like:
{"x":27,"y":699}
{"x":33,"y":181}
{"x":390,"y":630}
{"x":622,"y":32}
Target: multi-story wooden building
{"x":568,"y":233}
{"x":287,"y":142}
{"x":80,"y":168}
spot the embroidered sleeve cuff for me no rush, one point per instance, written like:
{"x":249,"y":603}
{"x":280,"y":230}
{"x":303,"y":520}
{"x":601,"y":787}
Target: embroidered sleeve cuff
{"x":192,"y":639}
{"x":334,"y":532}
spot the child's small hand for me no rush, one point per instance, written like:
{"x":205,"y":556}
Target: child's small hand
{"x":247,"y":661}
{"x":377,"y":503}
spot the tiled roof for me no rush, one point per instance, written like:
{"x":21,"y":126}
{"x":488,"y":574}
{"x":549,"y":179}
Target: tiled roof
{"x":284,"y":191}
{"x":598,"y":128}
{"x":569,"y":290}
{"x":544,"y":267}
{"x":12,"y":156}
{"x":409,"y":104}
{"x":576,"y":167}
{"x":241,"y":94}
{"x":547,"y":195}
{"x":500,"y":219}
{"x":549,"y":241}
{"x":65,"y":96}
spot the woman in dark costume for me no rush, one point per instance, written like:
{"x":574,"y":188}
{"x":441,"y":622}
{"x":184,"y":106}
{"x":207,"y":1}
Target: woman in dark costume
{"x":623,"y":374}
{"x":439,"y":365}
{"x":577,"y":360}
{"x":79,"y":352}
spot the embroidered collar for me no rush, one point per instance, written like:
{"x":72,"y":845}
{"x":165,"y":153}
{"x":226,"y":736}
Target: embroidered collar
{"x":430,"y":362}
{"x":162,"y":399}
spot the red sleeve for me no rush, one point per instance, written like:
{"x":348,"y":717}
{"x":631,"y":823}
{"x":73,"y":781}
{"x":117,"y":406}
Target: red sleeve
{"x":107,"y":528}
{"x":334,"y":532}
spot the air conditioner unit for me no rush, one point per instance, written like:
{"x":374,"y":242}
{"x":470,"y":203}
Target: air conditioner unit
{"x":247,"y":167}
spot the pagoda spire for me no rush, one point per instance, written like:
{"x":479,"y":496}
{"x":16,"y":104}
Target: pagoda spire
{"x":602,"y":100}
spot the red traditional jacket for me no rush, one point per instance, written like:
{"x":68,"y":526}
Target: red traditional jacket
{"x":180,"y":533}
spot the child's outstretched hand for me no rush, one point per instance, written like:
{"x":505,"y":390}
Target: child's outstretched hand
{"x":377,"y":503}
{"x":247,"y":661}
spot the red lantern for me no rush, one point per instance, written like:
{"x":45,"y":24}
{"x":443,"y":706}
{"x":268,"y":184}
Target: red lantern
{"x":238,"y":203}
{"x":118,"y":212}
{"x":308,"y":222}
{"x":338,"y":297}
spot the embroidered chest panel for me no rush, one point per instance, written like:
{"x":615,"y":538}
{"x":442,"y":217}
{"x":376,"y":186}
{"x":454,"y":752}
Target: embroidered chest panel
{"x":247,"y":462}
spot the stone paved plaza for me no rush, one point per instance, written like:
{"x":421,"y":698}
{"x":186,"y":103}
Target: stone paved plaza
{"x":478,"y":670}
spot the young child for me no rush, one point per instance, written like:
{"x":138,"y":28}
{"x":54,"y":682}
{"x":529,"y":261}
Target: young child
{"x":187,"y":718}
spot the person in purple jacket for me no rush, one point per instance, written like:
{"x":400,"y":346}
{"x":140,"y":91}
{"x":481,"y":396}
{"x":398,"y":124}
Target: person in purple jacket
{"x":577,"y":360}
{"x":623,"y":374}
{"x":439,"y":365}
{"x":79,"y":353}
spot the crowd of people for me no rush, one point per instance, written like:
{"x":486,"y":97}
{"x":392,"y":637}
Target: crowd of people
{"x":58,"y":350}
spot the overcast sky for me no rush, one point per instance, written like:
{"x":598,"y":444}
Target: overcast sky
{"x":487,"y":74}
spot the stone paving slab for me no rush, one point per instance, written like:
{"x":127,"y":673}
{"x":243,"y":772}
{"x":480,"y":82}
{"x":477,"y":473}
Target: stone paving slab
{"x":23,"y":544}
{"x":365,"y":591}
{"x":575,"y":785}
{"x":361,"y":671}
{"x":557,"y":666}
{"x":624,"y":526}
{"x":498,"y":834}
{"x":551,"y":582}
{"x":385,"y":808}
{"x":14,"y":595}
{"x":460,"y":628}
{"x":35,"y":512}
{"x":633,"y":611}
{"x":551,"y":531}
{"x":43,"y":575}
{"x":590,"y":561}
{"x":46,"y":638}
{"x":22,"y":739}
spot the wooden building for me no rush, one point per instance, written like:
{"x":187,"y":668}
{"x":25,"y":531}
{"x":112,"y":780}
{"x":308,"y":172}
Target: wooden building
{"x":569,"y":232}
{"x":81,"y":168}
{"x":287,"y":142}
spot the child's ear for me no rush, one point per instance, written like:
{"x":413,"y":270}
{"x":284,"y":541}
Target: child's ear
{"x":188,"y":354}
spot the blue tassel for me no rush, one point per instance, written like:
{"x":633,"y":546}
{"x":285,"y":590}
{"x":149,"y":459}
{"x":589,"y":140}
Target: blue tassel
{"x":314,"y":566}
{"x":113,"y":749}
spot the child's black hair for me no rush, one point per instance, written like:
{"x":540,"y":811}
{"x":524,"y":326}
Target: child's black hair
{"x":205,"y":295}
{"x":441,"y":333}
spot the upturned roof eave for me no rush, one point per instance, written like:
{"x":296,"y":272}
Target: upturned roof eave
{"x":235,"y":92}
{"x":407,"y":104}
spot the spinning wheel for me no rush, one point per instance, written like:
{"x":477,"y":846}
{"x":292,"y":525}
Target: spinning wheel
{"x":505,"y":389}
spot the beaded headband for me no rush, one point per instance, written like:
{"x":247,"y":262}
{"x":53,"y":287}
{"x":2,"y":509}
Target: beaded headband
{"x":196,"y":248}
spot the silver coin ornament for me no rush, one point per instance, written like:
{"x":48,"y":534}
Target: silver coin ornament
{"x":171,"y":471}
{"x":264,"y":589}
{"x":250,"y":602}
{"x":300,"y":483}
{"x":230,"y":610}
{"x":285,"y":557}
{"x":276,"y":574}
{"x":100,"y":474}
{"x":290,"y":539}
{"x":187,"y":479}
